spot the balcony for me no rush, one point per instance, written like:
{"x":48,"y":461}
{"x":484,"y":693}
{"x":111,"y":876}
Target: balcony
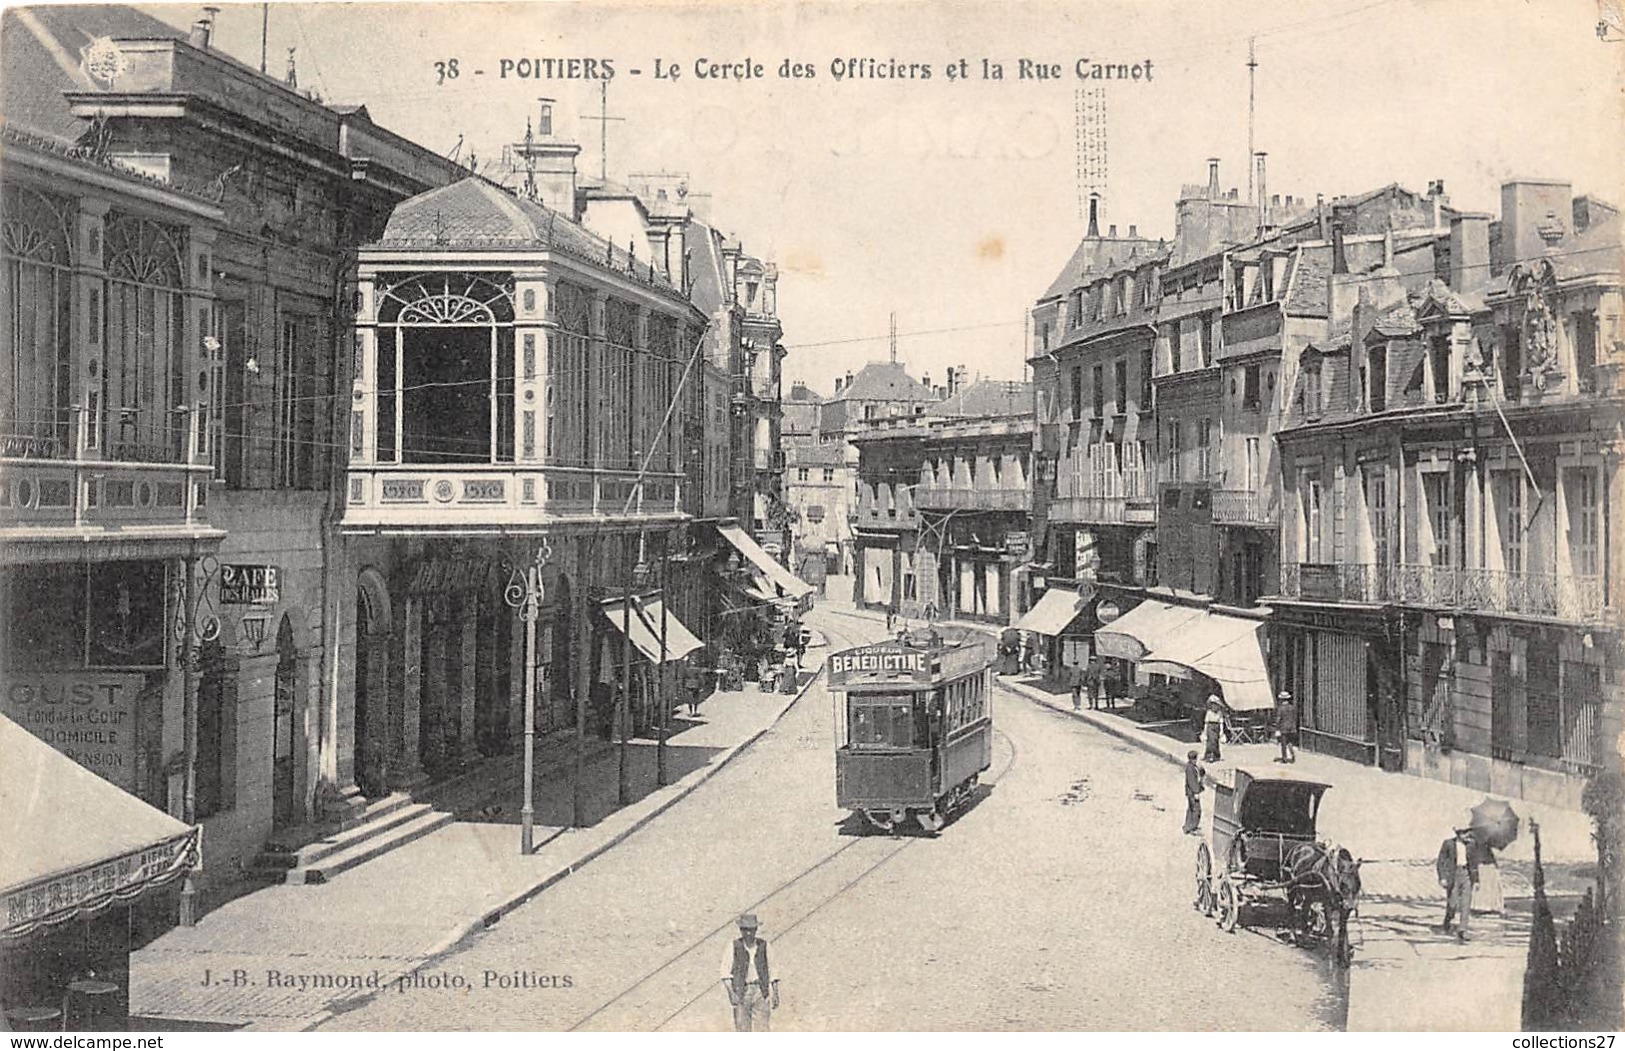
{"x":1245,"y":507}
{"x":963,"y":498}
{"x":1115,"y":499}
{"x":1556,"y":595}
{"x":873,"y":515}
{"x":430,"y":498}
{"x":137,"y":489}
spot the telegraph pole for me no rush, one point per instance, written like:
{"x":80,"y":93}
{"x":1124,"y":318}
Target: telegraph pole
{"x":1252,"y":72}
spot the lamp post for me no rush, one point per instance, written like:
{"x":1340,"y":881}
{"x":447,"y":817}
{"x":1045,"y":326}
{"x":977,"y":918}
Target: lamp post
{"x":637,"y":576}
{"x":525,"y":593}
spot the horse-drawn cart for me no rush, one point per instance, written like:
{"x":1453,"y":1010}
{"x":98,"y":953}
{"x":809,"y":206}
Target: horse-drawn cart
{"x":1264,"y":847}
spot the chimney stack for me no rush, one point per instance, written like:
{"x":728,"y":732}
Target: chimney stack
{"x":1094,"y":215}
{"x":1213,"y":178}
{"x":199,"y":36}
{"x":837,"y":384}
{"x":1469,"y":252}
{"x":1133,"y":231}
{"x":1263,"y":200}
{"x":1111,"y":231}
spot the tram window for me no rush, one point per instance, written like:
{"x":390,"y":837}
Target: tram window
{"x":885,"y":721}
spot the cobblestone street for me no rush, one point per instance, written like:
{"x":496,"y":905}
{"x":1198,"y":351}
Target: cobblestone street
{"x":1060,"y":899}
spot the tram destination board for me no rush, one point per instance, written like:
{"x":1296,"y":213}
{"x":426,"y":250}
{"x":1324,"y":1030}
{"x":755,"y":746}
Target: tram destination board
{"x":890,"y":662}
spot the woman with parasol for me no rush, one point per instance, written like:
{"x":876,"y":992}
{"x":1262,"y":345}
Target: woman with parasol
{"x":1495,"y":826}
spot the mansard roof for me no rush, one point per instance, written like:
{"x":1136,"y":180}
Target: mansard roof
{"x":476,"y":215}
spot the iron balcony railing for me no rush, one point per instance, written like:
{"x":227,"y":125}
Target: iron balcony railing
{"x":1111,"y":498}
{"x":952,"y":497}
{"x":1244,"y":507}
{"x":1563,"y":596}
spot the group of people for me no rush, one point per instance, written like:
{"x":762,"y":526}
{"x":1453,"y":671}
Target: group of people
{"x":1089,"y":680}
{"x":1214,"y":725}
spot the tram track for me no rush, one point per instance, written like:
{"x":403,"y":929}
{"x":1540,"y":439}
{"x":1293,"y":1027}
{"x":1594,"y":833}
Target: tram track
{"x":873,"y":853}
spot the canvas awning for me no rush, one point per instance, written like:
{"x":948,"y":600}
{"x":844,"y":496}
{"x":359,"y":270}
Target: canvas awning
{"x":1055,"y":610}
{"x":788,"y":584}
{"x":75,"y":844}
{"x":1137,"y":632}
{"x":1228,"y":650}
{"x":645,"y":629}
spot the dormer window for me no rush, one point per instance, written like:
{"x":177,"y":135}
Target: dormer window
{"x":1311,"y":389}
{"x":1439,"y":366}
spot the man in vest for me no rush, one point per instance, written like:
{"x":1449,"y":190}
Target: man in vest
{"x":752,"y":989}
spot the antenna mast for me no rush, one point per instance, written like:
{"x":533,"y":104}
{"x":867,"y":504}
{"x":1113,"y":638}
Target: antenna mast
{"x":1091,"y":146}
{"x":893,"y":337}
{"x":1252,"y":71}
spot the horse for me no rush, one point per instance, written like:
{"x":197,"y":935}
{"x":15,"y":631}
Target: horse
{"x":1322,"y":886}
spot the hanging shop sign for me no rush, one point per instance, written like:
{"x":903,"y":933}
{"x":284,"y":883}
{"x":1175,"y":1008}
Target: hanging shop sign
{"x":247,"y":585}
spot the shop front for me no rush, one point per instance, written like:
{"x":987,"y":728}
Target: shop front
{"x":81,"y":856}
{"x":1345,"y":673}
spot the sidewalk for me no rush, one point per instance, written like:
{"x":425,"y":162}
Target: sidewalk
{"x":285,"y":957}
{"x":1406,"y":976}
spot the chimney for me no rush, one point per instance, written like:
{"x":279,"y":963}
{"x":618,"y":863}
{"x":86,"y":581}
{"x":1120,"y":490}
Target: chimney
{"x":1111,"y":231}
{"x":1340,"y":259}
{"x":1469,"y":252}
{"x":199,"y":36}
{"x":1533,"y":211}
{"x":925,"y":380}
{"x":1213,"y":179}
{"x":1094,"y":215}
{"x":1133,"y":231}
{"x":1320,"y":216}
{"x":550,"y":163}
{"x":1263,"y":201}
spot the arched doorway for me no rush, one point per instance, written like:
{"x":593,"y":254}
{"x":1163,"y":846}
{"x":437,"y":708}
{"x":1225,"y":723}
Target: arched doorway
{"x":284,"y":802}
{"x":371,"y":698}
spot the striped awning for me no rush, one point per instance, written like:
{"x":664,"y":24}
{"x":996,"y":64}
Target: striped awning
{"x":76,"y":844}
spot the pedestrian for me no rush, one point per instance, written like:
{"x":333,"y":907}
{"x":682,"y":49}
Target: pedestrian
{"x":1212,"y":729}
{"x":891,"y":615}
{"x":1286,"y":726}
{"x":1092,"y":683}
{"x":801,"y":644}
{"x":691,"y":683}
{"x":752,"y":989}
{"x":1488,"y":897}
{"x":1457,"y":870}
{"x":1024,"y":660}
{"x":1195,"y":779}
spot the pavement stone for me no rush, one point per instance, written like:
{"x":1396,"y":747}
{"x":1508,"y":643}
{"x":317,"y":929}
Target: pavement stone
{"x":383,"y":919}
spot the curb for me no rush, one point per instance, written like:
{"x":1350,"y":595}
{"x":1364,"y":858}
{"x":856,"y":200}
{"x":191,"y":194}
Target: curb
{"x":1122,"y":733}
{"x":486,"y":919}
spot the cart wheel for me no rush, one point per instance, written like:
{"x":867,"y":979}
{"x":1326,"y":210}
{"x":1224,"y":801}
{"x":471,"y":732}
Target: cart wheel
{"x":1228,"y":903}
{"x":1204,"y":880}
{"x":930,"y":820}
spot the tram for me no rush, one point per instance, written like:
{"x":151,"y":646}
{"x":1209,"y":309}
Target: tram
{"x":914,"y":723}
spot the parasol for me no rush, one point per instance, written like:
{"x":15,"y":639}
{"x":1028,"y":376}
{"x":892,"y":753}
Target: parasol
{"x":1496,"y":821}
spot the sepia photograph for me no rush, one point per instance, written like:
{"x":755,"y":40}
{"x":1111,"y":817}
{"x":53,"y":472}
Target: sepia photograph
{"x":698,"y":516}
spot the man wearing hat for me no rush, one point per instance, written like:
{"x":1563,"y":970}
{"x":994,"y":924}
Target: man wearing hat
{"x":752,"y":989}
{"x":1286,"y":726}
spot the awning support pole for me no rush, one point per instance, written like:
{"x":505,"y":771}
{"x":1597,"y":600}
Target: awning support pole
{"x":189,"y":660}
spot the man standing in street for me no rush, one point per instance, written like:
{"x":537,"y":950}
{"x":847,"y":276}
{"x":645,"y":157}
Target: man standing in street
{"x":1457,"y":869}
{"x":752,"y":989}
{"x":1078,"y":677}
{"x":1286,"y":726}
{"x":1194,"y":779}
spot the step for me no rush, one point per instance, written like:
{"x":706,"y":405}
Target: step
{"x":388,"y":818}
{"x":422,"y":823}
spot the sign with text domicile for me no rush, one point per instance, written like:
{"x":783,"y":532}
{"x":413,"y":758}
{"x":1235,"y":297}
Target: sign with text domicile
{"x":88,"y":716}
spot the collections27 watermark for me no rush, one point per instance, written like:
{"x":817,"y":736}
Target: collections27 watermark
{"x":422,"y":981}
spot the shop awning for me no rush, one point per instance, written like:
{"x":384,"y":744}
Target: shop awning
{"x":75,"y":844}
{"x":645,"y":629}
{"x":1137,"y":632}
{"x":789,"y":585}
{"x":1228,"y":650}
{"x":1055,"y":610}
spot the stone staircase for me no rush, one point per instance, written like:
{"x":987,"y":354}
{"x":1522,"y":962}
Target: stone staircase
{"x":382,"y":826}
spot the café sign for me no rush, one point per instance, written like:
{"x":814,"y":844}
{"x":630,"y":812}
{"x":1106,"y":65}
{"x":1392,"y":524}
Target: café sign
{"x":247,"y":585}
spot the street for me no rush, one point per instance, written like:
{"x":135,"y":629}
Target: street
{"x":1060,"y":899}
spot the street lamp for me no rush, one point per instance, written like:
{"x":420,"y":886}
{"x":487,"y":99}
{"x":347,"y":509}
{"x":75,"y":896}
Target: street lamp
{"x":525,"y":593}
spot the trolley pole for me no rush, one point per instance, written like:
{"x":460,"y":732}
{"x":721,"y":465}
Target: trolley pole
{"x":525,"y":593}
{"x":665,"y":661}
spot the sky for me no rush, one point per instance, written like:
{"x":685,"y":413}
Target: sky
{"x":955,"y":202}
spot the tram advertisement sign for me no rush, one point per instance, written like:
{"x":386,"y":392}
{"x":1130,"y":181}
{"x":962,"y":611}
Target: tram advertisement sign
{"x":250,"y":585}
{"x":88,"y":716}
{"x":881,"y":659}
